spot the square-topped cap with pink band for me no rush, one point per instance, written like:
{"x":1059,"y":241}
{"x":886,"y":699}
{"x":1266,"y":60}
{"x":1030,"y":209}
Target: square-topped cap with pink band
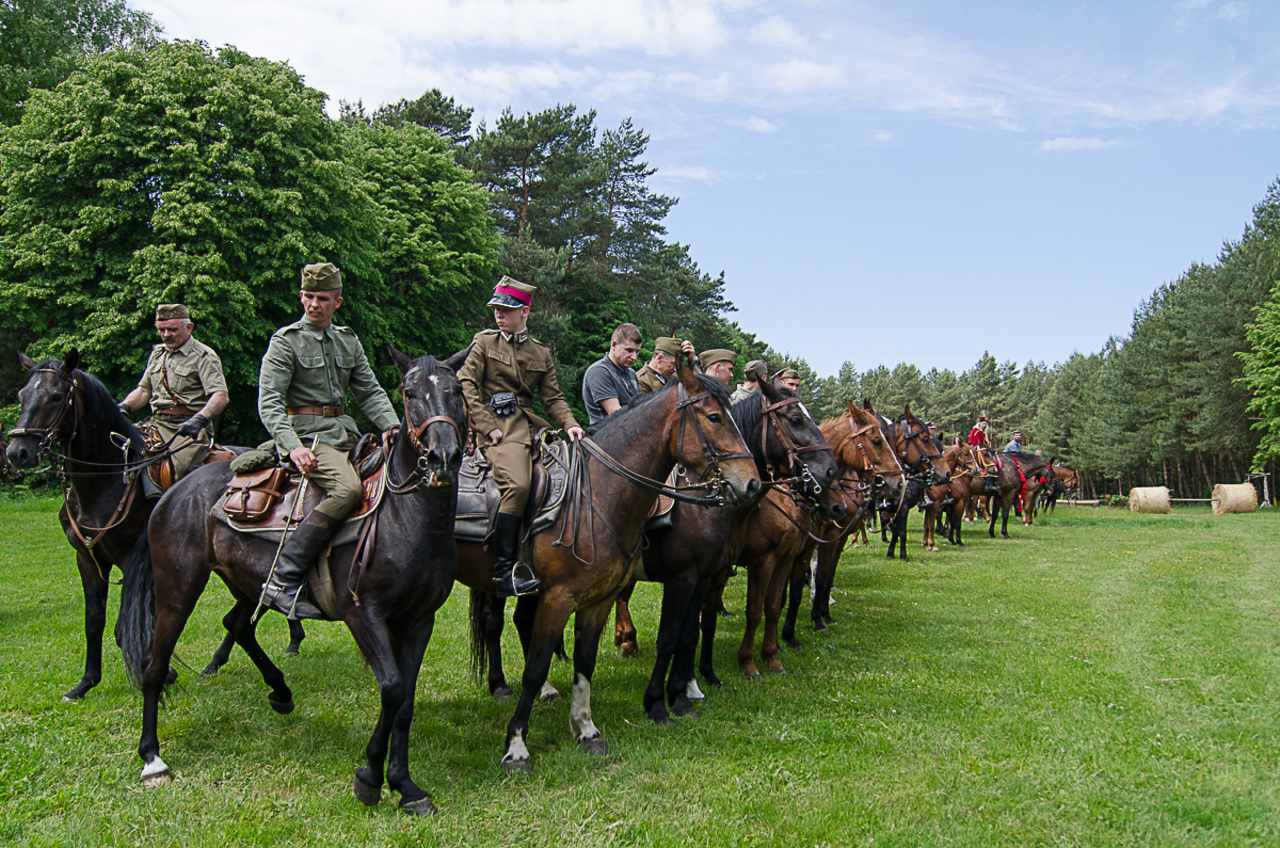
{"x":512,"y":293}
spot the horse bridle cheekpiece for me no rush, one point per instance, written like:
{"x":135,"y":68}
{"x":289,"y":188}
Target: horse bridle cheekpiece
{"x":422,"y":472}
{"x":796,"y":466}
{"x":48,"y":434}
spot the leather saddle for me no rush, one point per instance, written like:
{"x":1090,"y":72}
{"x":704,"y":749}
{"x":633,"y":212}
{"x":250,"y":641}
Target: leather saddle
{"x":280,"y":487}
{"x":478,"y":493}
{"x":162,"y":472}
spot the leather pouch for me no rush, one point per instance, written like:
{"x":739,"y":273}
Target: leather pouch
{"x":252,"y":497}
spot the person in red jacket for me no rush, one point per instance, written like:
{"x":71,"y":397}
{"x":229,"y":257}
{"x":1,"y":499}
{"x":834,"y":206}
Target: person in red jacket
{"x":978,"y":438}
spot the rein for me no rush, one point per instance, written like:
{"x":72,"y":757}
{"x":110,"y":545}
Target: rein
{"x":799,"y":469}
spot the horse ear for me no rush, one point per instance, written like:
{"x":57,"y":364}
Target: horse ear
{"x":866,"y":404}
{"x":906,"y":410}
{"x":402,"y":361}
{"x":71,"y":362}
{"x":852,"y":406}
{"x":687,"y":377}
{"x":455,"y":362}
{"x":26,"y":361}
{"x":770,"y":391}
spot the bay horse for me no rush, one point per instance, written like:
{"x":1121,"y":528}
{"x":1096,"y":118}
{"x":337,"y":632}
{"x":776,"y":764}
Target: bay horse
{"x":870,"y":474}
{"x":586,"y":557}
{"x":391,"y":610}
{"x":949,"y":499}
{"x":69,"y":417}
{"x":687,"y":557}
{"x":921,"y":455}
{"x":1015,"y":470}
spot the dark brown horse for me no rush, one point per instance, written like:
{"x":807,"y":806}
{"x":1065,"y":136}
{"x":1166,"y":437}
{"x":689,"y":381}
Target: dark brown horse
{"x":949,"y":499}
{"x":870,"y":473}
{"x":587,"y":556}
{"x":70,"y":418}
{"x":921,"y":454}
{"x":388,"y":599}
{"x":1017,"y":471}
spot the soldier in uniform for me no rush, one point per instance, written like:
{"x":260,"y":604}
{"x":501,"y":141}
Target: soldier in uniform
{"x":183,"y":382}
{"x":302,"y":394}
{"x":718,"y":363}
{"x":787,"y":378}
{"x":505,"y":368}
{"x":755,"y":371}
{"x":658,"y":370}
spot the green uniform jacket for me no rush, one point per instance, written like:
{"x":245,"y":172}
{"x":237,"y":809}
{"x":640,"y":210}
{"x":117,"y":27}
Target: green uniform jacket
{"x":649,"y":380}
{"x":497,"y":364}
{"x":192,"y":373}
{"x":742,"y":393}
{"x":307,"y":366}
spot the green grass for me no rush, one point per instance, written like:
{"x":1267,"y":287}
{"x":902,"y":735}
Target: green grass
{"x":1103,"y":679}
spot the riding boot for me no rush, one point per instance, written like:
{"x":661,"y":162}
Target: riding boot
{"x":993,"y":485}
{"x":150,"y":488}
{"x":286,"y":590}
{"x":510,"y":576}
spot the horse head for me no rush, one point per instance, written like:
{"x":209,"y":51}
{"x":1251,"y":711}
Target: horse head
{"x":47,"y":415}
{"x":920,"y":450}
{"x":711,"y":446}
{"x":793,"y":442}
{"x":434,"y":414}
{"x":867,"y":449}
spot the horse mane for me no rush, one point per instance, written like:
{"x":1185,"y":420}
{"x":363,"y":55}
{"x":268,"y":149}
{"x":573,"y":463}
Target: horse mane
{"x":99,"y":403}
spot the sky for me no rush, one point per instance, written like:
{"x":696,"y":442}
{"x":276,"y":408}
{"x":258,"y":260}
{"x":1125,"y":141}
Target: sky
{"x":880,"y":182}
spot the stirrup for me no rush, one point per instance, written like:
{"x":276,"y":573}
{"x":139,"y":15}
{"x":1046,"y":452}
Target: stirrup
{"x":514,"y":584}
{"x":294,"y":607}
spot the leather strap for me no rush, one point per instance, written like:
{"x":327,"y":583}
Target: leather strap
{"x":521,"y":400}
{"x":176,"y":410}
{"x":326,"y":411}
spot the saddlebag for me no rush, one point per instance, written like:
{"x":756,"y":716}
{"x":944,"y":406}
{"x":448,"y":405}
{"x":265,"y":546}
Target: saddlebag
{"x":252,"y":496}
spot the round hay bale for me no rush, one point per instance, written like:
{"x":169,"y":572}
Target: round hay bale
{"x":1150,"y":499}
{"x":1234,"y":497}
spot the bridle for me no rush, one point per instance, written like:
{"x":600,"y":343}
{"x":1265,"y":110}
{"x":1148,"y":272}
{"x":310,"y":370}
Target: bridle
{"x":796,"y":466}
{"x":422,"y":472}
{"x":47,"y":435}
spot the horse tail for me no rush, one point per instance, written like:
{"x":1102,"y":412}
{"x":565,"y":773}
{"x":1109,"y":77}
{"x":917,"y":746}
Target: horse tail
{"x":479,"y":631}
{"x":136,"y":624}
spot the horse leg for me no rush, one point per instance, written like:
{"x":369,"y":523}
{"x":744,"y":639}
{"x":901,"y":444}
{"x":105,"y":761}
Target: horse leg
{"x":525,"y":615}
{"x":795,"y":593}
{"x":223,"y":654}
{"x":381,"y":656}
{"x":682,"y":687}
{"x":95,"y":622}
{"x":493,"y":611}
{"x":759,"y":576}
{"x":244,"y":629}
{"x":588,"y":625}
{"x":675,"y":598}
{"x":412,"y":641}
{"x":823,"y":579}
{"x":772,"y":613}
{"x":545,"y":628}
{"x":296,"y":635}
{"x":624,"y":629}
{"x":710,"y":612}
{"x":1004,"y":524}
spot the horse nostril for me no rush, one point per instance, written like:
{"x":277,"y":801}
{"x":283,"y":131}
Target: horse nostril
{"x":753,"y":488}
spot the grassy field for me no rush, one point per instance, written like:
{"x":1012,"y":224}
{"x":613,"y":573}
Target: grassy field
{"x":1103,"y":679}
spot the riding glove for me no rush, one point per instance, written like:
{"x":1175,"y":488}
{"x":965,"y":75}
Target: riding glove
{"x":193,"y":425}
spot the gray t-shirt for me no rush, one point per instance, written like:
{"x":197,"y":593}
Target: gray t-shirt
{"x":602,"y":380}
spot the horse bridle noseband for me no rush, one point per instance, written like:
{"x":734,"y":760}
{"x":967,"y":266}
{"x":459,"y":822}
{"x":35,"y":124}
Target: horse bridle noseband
{"x":48,"y":434}
{"x":422,"y":472}
{"x":796,"y":466}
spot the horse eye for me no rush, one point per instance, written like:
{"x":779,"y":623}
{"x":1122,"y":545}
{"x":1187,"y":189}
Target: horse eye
{"x":55,"y":398}
{"x":714,"y":418}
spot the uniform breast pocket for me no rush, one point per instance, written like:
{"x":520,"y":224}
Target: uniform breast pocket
{"x":311,"y":360}
{"x":347,"y":362}
{"x":499,"y":356}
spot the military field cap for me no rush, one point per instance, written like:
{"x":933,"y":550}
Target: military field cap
{"x":170,"y":311}
{"x":323,"y":276}
{"x":787,"y":374}
{"x":667,"y":345}
{"x":982,"y":418}
{"x":512,"y":293}
{"x":756,"y":370}
{"x":710,"y":357}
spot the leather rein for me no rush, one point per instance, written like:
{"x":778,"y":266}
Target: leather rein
{"x":801,"y":476}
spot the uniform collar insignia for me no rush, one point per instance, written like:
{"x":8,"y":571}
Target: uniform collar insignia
{"x":519,"y":337}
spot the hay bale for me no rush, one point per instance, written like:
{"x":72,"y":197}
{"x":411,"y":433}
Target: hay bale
{"x":1150,"y":499}
{"x":1234,"y":497}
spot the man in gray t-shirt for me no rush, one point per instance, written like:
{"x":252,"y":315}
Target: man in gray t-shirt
{"x":609,"y":383}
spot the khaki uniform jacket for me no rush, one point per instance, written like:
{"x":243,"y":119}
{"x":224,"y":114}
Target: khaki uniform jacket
{"x":186,"y":377}
{"x":309,"y":366}
{"x":742,"y":393}
{"x":649,"y":380}
{"x":497,"y":364}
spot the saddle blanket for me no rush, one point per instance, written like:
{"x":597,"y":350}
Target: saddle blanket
{"x":478,"y":493}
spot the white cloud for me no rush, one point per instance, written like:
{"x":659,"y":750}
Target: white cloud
{"x":880,"y":136}
{"x":696,"y":173}
{"x":776,"y":32}
{"x":754,"y":124}
{"x":798,"y":75}
{"x":1071,"y":145}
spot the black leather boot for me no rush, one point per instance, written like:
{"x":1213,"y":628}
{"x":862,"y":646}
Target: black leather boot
{"x":285,"y":590}
{"x":993,"y":485}
{"x":510,"y":576}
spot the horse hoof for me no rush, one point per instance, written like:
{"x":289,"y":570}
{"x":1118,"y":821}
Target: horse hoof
{"x":282,"y":707}
{"x":70,"y":698}
{"x":828,"y":619}
{"x":794,"y":644}
{"x":686,"y":712}
{"x":595,"y":745}
{"x":751,"y":675}
{"x":777,"y":670}
{"x":629,"y":650}
{"x":210,"y":670}
{"x":502,"y":693}
{"x":550,"y":696}
{"x":171,"y":678}
{"x":421,"y":807}
{"x":155,"y":773}
{"x":291,"y":651}
{"x":662,"y":719}
{"x":366,"y":794}
{"x":524,"y":766}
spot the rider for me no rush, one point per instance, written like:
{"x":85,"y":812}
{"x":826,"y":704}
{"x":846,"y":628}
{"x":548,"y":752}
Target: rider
{"x":1015,"y":444}
{"x":609,"y":384}
{"x":505,"y":368}
{"x":184,"y":384}
{"x":978,"y":438}
{"x":718,"y":363}
{"x":658,"y":370}
{"x":755,"y":371}
{"x":302,"y":395}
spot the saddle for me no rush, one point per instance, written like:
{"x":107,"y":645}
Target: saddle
{"x":660,"y":514}
{"x":261,"y":502}
{"x":162,"y":473}
{"x":478,"y":493}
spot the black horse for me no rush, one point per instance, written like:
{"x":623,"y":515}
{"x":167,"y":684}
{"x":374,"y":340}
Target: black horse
{"x":407,"y":578}
{"x":921,"y":454}
{"x":70,"y":418}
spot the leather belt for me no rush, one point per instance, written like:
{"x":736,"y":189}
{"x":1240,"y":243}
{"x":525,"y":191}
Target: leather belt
{"x":521,"y":400}
{"x":326,"y":411}
{"x":175,"y":410}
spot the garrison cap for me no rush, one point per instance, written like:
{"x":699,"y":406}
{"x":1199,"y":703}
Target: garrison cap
{"x":710,"y":357}
{"x":511,"y":293}
{"x":668,"y":345}
{"x":756,"y":370}
{"x":170,"y":311}
{"x":787,"y":374}
{"x":323,"y":276}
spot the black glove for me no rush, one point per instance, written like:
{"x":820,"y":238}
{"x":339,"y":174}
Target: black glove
{"x":193,"y":425}
{"x":124,"y":409}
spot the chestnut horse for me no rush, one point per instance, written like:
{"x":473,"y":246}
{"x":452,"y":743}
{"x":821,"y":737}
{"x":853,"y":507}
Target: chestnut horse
{"x":587,"y":556}
{"x":950,"y":498}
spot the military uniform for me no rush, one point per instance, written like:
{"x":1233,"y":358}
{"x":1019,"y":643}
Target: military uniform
{"x":302,"y":395}
{"x":742,"y":393}
{"x":180,"y":383}
{"x":519,"y":363}
{"x":649,"y":380}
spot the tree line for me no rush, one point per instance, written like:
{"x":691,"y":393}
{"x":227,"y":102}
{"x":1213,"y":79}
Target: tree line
{"x":135,"y":171}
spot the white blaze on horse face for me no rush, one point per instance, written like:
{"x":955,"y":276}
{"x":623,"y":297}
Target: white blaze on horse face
{"x":435,"y":380}
{"x":516,"y":750}
{"x":580,"y":710}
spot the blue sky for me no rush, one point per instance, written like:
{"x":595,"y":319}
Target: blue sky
{"x":880,"y":182}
